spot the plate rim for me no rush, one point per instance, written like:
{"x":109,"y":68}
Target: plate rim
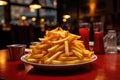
{"x":56,"y":65}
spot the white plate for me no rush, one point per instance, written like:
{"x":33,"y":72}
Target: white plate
{"x":56,"y":66}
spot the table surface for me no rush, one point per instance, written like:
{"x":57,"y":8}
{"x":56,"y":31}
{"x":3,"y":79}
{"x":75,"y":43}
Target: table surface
{"x":106,"y":67}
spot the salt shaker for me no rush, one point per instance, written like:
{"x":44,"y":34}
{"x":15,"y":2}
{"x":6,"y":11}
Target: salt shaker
{"x":111,"y":42}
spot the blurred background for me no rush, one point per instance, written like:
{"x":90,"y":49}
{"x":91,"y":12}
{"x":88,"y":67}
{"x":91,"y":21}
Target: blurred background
{"x":22,"y":24}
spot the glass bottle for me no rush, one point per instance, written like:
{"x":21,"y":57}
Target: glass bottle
{"x":111,"y":42}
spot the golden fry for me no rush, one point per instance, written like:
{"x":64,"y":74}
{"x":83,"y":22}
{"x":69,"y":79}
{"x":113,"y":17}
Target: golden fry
{"x":40,"y":62}
{"x":36,"y":51}
{"x":53,"y":57}
{"x":44,"y":52}
{"x":32,"y":46}
{"x":53,"y":47}
{"x":73,"y":61}
{"x":77,"y":49}
{"x":56,"y":48}
{"x":77,"y":54}
{"x":61,"y":40}
{"x":86,"y":59}
{"x":60,"y":48}
{"x":32,"y":60}
{"x":88,"y":53}
{"x":67,"y":58}
{"x":41,"y":46}
{"x":66,"y":48}
{"x":56,"y":62}
{"x":37,"y":56}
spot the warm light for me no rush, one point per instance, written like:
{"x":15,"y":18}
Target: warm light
{"x":33,"y":19}
{"x":64,"y":20}
{"x":35,"y":6}
{"x":66,"y":16}
{"x":3,"y":60}
{"x":55,"y":3}
{"x":2,"y":2}
{"x":92,"y":7}
{"x":32,"y":10}
{"x":23,"y":17}
{"x":42,"y":19}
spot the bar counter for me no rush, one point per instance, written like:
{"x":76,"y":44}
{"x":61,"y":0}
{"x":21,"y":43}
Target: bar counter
{"x":106,"y":67}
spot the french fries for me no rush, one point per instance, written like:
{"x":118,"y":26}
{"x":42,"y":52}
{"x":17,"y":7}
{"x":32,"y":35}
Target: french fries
{"x":59,"y":47}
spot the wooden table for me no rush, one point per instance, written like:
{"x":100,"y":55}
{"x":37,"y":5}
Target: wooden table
{"x":106,"y":67}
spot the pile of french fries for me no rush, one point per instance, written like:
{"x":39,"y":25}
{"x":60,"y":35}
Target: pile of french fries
{"x":59,"y":47}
